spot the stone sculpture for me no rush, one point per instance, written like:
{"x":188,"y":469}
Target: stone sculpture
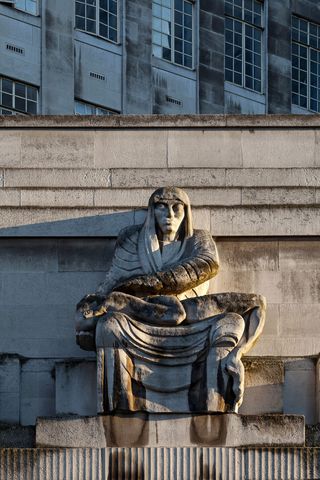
{"x":163,"y":344}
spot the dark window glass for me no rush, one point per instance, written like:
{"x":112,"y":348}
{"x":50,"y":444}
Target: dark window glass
{"x":7,"y":100}
{"x":7,"y":85}
{"x":32,"y":108}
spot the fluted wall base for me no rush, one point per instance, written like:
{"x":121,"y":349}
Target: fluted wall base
{"x":160,"y":464}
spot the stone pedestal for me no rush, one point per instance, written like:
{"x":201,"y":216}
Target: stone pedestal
{"x":171,"y":430}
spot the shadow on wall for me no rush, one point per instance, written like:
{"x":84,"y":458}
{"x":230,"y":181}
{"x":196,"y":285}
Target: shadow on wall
{"x":94,"y":226}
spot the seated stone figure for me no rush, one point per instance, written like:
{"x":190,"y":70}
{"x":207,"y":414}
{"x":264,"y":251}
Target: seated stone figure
{"x":163,"y":344}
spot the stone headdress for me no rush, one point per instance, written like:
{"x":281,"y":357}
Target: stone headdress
{"x":149,"y":249}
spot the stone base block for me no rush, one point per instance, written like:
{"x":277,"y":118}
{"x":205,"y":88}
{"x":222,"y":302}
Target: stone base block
{"x":170,"y":430}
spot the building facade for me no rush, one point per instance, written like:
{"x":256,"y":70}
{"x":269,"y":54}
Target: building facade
{"x":159,"y":56}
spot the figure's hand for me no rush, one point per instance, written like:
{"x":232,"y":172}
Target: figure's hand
{"x":88,"y":310}
{"x":89,"y":302}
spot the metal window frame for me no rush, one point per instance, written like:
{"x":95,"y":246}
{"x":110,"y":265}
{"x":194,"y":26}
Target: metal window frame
{"x":309,"y":48}
{"x":263,"y":43}
{"x":77,"y":100}
{"x":97,"y":29}
{"x":14,"y":109}
{"x":172,"y":61}
{"x":26,"y":11}
{"x":13,"y":3}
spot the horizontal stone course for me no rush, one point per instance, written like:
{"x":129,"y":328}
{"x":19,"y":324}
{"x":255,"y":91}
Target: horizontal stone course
{"x":56,"y":149}
{"x":150,"y":178}
{"x":57,"y":198}
{"x":136,"y":148}
{"x":257,"y":221}
{"x":278,"y":196}
{"x":273,"y":177}
{"x":204,"y":149}
{"x":60,"y":178}
{"x":262,"y":148}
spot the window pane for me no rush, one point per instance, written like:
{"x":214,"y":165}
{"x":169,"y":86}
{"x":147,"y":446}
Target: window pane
{"x":103,"y":17}
{"x":80,"y":9}
{"x":166,"y":54}
{"x":187,"y":8}
{"x":178,"y":45}
{"x":32,"y":108}
{"x":113,"y":35}
{"x":20,"y":104}
{"x":32,"y":93}
{"x":237,"y":79}
{"x":178,"y":5}
{"x":80,"y":23}
{"x":188,"y":48}
{"x":178,"y":18}
{"x":91,"y":12}
{"x":112,"y":21}
{"x":20,"y":90}
{"x":32,"y":7}
{"x":7,"y":85}
{"x":91,"y":26}
{"x":7,"y":100}
{"x":103,"y":30}
{"x":188,"y":61}
{"x":178,"y":58}
{"x":188,"y":35}
{"x":112,"y":7}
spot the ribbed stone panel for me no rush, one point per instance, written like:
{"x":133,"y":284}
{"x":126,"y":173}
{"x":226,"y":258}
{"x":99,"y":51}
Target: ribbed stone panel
{"x":160,"y":464}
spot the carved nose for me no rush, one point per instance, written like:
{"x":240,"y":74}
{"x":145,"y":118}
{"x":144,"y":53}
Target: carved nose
{"x":170,"y":212}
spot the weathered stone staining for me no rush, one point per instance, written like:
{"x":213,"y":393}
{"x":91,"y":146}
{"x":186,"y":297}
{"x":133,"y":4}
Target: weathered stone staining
{"x":163,"y":344}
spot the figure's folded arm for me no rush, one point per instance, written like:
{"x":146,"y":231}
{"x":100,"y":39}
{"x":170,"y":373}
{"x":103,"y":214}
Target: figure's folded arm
{"x":191,"y":272}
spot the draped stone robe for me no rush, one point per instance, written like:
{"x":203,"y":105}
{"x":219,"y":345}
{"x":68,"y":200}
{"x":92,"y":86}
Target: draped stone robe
{"x":163,"y":344}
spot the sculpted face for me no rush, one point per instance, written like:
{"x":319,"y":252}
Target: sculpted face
{"x":169,"y":216}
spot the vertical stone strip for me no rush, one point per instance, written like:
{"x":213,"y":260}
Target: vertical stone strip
{"x":211,"y":56}
{"x":137,"y":57}
{"x":279,"y":56}
{"x":57,"y":58}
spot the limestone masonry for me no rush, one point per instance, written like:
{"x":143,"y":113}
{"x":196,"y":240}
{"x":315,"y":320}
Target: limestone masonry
{"x":68,"y":186}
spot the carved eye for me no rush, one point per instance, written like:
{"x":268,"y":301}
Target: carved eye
{"x":160,"y":206}
{"x":177,"y":207}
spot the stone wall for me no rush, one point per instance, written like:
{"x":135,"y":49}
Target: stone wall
{"x":68,"y":185}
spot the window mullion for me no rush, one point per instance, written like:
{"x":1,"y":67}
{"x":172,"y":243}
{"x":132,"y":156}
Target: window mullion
{"x":308,"y":76}
{"x":98,"y":17}
{"x":14,"y":95}
{"x":243,"y":54}
{"x":172,"y":31}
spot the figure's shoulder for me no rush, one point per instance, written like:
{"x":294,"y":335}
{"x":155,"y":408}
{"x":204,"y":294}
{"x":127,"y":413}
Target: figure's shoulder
{"x":130,"y":233}
{"x":197,"y":233}
{"x":202,"y":240}
{"x":202,"y":236}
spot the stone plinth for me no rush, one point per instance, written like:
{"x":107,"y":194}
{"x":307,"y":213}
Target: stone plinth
{"x":170,"y":430}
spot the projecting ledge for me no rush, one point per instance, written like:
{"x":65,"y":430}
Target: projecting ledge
{"x":170,"y":430}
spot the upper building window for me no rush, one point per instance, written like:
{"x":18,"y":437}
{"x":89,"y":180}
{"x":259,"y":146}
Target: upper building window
{"x":82,"y":108}
{"x":28,"y":6}
{"x":172,"y":31}
{"x":243,"y":43}
{"x":305,"y":64}
{"x":99,"y":17}
{"x":17,"y":97}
